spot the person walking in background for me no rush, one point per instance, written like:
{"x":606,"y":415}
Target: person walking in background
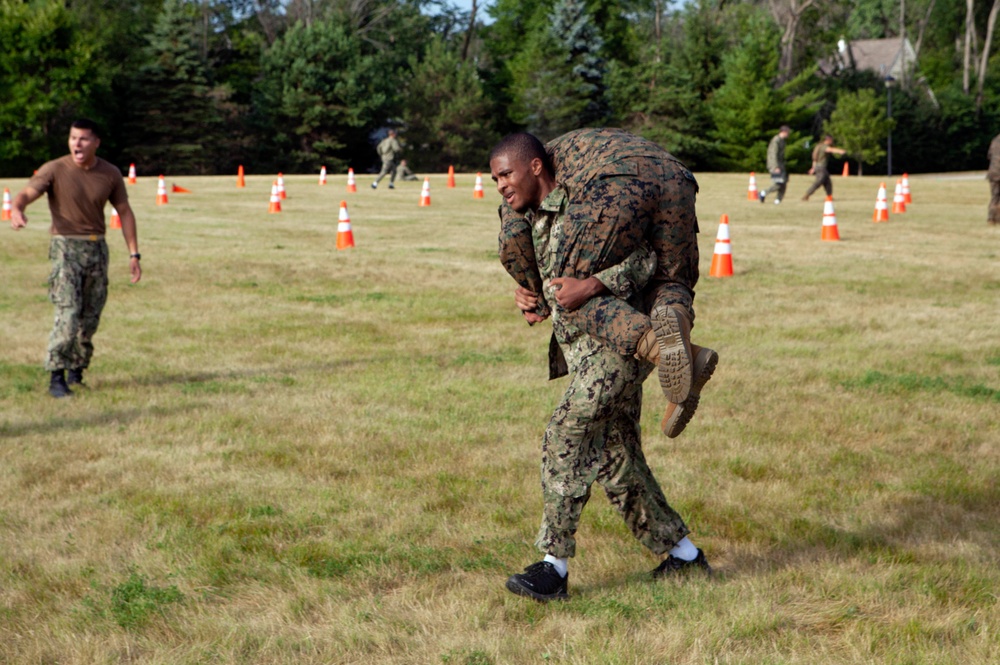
{"x":389,"y":150}
{"x":403,"y":171}
{"x":819,"y":157}
{"x":993,"y":175}
{"x":78,"y":187}
{"x":776,"y":165}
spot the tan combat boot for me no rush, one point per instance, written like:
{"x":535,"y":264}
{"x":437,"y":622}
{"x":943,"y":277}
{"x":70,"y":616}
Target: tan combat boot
{"x":677,"y":416}
{"x":673,"y":332}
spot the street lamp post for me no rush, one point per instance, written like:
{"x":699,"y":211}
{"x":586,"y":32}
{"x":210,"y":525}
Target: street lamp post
{"x":889,"y":80}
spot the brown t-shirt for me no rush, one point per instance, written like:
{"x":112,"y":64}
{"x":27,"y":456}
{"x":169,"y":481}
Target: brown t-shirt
{"x":819,"y":156}
{"x":77,"y":196}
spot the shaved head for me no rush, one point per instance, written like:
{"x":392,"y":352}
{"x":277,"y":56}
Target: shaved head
{"x":522,"y":147}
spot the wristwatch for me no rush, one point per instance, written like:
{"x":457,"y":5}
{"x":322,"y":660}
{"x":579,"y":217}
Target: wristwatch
{"x":136,"y":256}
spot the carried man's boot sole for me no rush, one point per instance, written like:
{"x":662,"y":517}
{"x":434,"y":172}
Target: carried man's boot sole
{"x":677,"y":416}
{"x":672,"y":332}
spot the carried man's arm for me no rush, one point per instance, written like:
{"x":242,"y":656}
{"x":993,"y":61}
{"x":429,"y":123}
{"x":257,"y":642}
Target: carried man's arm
{"x":623,"y":280}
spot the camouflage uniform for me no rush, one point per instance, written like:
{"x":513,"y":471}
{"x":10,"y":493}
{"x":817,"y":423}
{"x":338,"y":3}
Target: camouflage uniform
{"x":403,"y":172}
{"x":622,"y":189}
{"x":78,"y":287}
{"x":594,"y":432}
{"x":993,"y":175}
{"x":820,"y":158}
{"x":388,"y":149}
{"x":776,"y":162}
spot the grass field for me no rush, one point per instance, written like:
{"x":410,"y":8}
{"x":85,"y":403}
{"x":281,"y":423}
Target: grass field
{"x":293,"y":454}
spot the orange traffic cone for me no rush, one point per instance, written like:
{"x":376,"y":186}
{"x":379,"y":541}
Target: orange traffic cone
{"x":722,"y":259}
{"x":116,"y":219}
{"x":898,"y":204}
{"x":352,"y":186}
{"x":177,"y":189}
{"x":131,"y":174}
{"x":322,"y":175}
{"x":240,"y":180}
{"x":847,"y":170}
{"x":829,"y":221}
{"x":345,"y":237}
{"x":906,"y":189}
{"x":881,"y":206}
{"x":477,"y":191}
{"x":425,"y":193}
{"x":752,"y":189}
{"x":451,"y":177}
{"x":281,"y":187}
{"x":8,"y":209}
{"x":161,"y":192}
{"x":275,"y":205}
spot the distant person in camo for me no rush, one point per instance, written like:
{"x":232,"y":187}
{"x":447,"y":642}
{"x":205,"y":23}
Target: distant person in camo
{"x":993,"y":175}
{"x":388,"y":150}
{"x":820,"y":154}
{"x":776,"y":166}
{"x":78,"y":187}
{"x":403,"y":171}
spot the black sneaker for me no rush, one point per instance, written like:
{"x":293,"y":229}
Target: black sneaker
{"x":392,"y":186}
{"x":540,"y":581}
{"x":74,"y":377}
{"x":672,"y":565}
{"x":57,"y":385}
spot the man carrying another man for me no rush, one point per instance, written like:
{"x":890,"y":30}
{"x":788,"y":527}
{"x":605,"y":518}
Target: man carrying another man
{"x":621,"y":213}
{"x":78,"y":186}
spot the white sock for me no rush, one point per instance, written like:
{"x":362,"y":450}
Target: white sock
{"x":561,"y":565}
{"x":685,"y":550}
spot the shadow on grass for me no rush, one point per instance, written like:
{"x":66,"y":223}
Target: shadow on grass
{"x":932,"y":511}
{"x":271,"y":373}
{"x":121,"y":416}
{"x":191,"y":382}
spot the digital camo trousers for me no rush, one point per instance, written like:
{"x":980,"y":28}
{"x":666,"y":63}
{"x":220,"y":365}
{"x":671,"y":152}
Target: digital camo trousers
{"x":594,"y":436}
{"x":388,"y":169}
{"x":78,"y":287}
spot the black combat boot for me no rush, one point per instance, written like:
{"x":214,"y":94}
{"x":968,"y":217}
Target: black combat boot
{"x":540,"y":581}
{"x":74,"y":377}
{"x":672,"y":565}
{"x":57,"y":384}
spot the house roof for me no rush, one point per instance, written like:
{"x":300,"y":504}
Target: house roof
{"x":887,"y":57}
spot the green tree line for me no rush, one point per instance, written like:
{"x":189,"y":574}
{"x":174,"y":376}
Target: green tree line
{"x":201,"y":86}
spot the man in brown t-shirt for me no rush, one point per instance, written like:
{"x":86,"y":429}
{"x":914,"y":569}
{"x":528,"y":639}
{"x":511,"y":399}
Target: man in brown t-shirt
{"x":820,"y":154}
{"x":78,"y":186}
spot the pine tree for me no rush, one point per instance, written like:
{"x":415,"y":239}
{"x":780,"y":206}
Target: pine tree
{"x":48,"y":73}
{"x":322,"y":89}
{"x":559,"y":76}
{"x":572,"y":25}
{"x":747,"y":111}
{"x":447,"y":115}
{"x":173,"y":115}
{"x":859,"y":122}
